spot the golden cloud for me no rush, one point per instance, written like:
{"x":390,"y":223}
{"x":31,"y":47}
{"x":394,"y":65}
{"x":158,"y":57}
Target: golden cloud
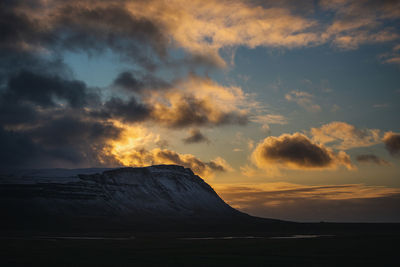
{"x":359,"y":22}
{"x":198,"y":101}
{"x":345,"y":136}
{"x":143,"y":157}
{"x":347,"y":202}
{"x":204,"y":27}
{"x":297,"y":152}
{"x":131,"y":149}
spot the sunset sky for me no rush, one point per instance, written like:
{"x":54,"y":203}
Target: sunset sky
{"x":289,"y":110}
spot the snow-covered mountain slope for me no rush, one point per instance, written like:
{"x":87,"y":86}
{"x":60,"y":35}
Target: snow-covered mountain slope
{"x":129,"y":195}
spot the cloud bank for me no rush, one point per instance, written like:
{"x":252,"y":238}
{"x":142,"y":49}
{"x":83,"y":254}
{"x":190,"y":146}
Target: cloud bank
{"x":334,"y":203}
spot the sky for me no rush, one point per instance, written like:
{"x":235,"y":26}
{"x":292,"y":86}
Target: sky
{"x":288,"y":110}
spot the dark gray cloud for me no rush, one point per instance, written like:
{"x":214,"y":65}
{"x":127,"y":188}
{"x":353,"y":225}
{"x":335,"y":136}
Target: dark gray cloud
{"x":16,"y":149}
{"x":130,"y":111}
{"x":392,"y":143}
{"x":190,"y":111}
{"x":299,"y":150}
{"x":77,"y":26}
{"x":371,"y":158}
{"x":95,"y":29}
{"x":16,"y":28}
{"x":45,"y":90}
{"x":66,"y":141}
{"x":127,"y":81}
{"x":44,"y":121}
{"x":137,"y":83}
{"x":195,"y":136}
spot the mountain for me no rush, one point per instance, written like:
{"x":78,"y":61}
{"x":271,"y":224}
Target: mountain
{"x":156,"y":197}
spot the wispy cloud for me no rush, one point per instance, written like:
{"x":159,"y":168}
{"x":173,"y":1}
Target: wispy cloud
{"x":345,"y":136}
{"x":304,"y":100}
{"x":348,"y":202}
{"x":371,"y":158}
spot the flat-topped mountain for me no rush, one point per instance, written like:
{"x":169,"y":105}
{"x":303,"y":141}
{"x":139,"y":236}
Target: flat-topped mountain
{"x":160,"y":195}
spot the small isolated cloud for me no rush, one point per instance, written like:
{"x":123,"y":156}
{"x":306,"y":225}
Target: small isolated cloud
{"x":370,"y":158}
{"x":303,"y":99}
{"x":392,"y":143}
{"x":392,"y":57}
{"x":345,"y":136}
{"x":297,"y":151}
{"x":195,"y":136}
{"x":383,"y":105}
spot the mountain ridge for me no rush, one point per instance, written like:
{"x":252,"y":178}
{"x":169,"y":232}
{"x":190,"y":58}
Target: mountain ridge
{"x":157,"y":196}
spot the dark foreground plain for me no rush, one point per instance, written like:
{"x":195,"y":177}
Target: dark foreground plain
{"x":338,"y":245}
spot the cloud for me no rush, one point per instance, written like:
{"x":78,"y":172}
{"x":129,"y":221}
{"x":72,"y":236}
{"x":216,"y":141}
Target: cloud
{"x":345,"y":136}
{"x":39,"y":97}
{"x":195,"y":136}
{"x":139,"y":82}
{"x":303,"y":99}
{"x":188,"y":110}
{"x":392,"y":57}
{"x":143,"y":157}
{"x":336,"y":203}
{"x":189,"y":101}
{"x":90,"y":27}
{"x":297,"y":152}
{"x":370,"y":158}
{"x":198,"y":101}
{"x":202,"y":28}
{"x":136,"y":28}
{"x":393,"y":60}
{"x":144,"y":31}
{"x":359,"y":22}
{"x":45,"y":90}
{"x":130,"y":111}
{"x":59,"y":142}
{"x":48,"y":119}
{"x":267,"y":119}
{"x":392,"y":143}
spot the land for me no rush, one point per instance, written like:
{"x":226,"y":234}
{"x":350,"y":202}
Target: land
{"x":330,"y":245}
